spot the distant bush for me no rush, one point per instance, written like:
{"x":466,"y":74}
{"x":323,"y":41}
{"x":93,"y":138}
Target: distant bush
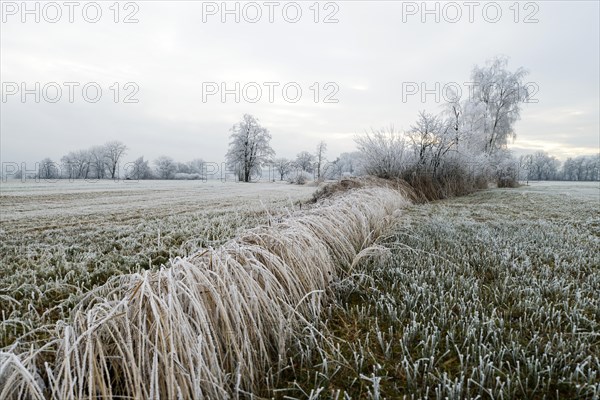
{"x":435,"y":169}
{"x":426,"y":158}
{"x":383,"y":153}
{"x":186,"y":176}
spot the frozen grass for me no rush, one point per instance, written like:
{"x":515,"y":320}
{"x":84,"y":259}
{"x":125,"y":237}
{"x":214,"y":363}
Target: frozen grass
{"x":60,"y":240}
{"x":492,"y":295}
{"x":210,"y":324}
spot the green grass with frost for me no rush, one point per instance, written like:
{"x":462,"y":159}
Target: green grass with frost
{"x":492,"y":295}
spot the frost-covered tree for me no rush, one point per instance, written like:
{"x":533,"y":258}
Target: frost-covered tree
{"x":461,"y":149}
{"x":569,"y":170}
{"x":98,"y":161}
{"x":249,"y":147}
{"x":95,"y":162}
{"x":432,"y":138}
{"x":496,"y":102}
{"x":114,"y":151}
{"x":189,"y":170}
{"x":506,"y":169}
{"x":333,"y":170}
{"x":305,"y":161}
{"x":165,"y":167}
{"x":350,"y":163}
{"x":196,"y":166}
{"x":48,"y":169}
{"x":182,"y":168}
{"x":140,"y":170}
{"x":77,"y":164}
{"x":282,"y":166}
{"x":454,"y":117}
{"x":320,"y":157}
{"x":581,"y":168}
{"x":591,"y":168}
{"x":526,"y":164}
{"x":543,"y":166}
{"x":424,"y":134}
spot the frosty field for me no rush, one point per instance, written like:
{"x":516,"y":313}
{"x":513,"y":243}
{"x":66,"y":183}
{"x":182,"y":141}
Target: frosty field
{"x":58,"y":240}
{"x":491,"y":295}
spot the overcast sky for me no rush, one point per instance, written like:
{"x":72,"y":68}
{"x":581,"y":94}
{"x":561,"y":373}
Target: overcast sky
{"x":372,"y":57}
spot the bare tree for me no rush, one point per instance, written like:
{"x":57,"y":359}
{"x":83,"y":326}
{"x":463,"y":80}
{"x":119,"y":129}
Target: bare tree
{"x":249,"y":147}
{"x":114,"y":151}
{"x":320,"y":157}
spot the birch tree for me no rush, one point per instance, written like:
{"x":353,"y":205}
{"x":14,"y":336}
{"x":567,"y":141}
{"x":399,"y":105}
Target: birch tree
{"x":498,"y":94}
{"x":320,"y":158}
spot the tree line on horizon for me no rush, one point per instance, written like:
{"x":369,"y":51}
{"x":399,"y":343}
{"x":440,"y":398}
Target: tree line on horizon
{"x":461,"y":148}
{"x":106,"y":162}
{"x":90,"y":165}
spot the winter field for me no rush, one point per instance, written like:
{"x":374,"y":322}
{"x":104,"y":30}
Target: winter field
{"x":59,"y":240}
{"x":491,"y":295}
